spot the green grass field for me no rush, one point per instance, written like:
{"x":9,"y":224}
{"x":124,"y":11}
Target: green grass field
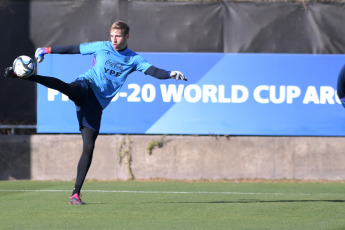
{"x":173,"y":205}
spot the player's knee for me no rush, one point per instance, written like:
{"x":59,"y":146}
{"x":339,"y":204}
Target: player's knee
{"x":76,"y":94}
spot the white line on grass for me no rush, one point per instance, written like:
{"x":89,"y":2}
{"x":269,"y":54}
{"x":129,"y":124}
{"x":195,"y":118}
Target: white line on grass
{"x":152,"y":192}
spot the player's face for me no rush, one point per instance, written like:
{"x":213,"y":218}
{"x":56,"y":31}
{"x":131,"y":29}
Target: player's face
{"x":118,"y":39}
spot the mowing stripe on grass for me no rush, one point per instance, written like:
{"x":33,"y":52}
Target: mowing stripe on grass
{"x":153,"y":192}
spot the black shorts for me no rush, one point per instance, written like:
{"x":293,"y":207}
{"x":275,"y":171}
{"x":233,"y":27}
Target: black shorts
{"x":89,"y":110}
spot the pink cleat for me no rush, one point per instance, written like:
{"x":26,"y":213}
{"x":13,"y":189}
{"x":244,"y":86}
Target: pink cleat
{"x":75,"y":199}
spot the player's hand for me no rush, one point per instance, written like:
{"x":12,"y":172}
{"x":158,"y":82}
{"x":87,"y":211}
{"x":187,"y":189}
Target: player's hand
{"x":40,"y":52}
{"x":177,"y":75}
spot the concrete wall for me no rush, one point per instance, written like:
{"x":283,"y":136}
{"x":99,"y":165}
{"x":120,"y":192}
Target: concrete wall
{"x":55,"y":157}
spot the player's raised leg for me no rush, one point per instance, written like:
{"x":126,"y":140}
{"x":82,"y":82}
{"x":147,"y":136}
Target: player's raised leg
{"x":73,"y":90}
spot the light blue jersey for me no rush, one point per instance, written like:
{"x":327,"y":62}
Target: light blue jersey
{"x":110,"y":68}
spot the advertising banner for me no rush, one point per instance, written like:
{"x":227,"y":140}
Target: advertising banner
{"x":226,"y":94}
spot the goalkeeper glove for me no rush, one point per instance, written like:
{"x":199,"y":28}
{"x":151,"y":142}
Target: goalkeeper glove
{"x":177,"y":75}
{"x":40,"y":52}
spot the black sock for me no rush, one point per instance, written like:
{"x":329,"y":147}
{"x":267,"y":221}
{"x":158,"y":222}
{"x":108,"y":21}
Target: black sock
{"x":52,"y":82}
{"x":72,"y":90}
{"x":76,"y":189}
{"x":89,"y":139}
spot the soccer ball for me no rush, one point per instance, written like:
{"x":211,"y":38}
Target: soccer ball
{"x":24,"y":66}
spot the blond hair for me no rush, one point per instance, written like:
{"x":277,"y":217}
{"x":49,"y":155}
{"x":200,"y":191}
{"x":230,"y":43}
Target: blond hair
{"x":120,"y":25}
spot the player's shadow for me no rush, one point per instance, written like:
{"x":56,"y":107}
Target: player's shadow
{"x":254,"y":201}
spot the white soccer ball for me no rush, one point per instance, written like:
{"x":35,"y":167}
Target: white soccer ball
{"x":24,"y":66}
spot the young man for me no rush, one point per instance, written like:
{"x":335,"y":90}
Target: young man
{"x":92,"y":91}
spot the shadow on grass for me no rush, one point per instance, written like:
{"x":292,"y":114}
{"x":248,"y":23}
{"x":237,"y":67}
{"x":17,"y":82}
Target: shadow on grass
{"x":254,"y":201}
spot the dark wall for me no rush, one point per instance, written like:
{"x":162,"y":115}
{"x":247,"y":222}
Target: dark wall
{"x":237,"y":27}
{"x":284,"y":28}
{"x":17,"y":97}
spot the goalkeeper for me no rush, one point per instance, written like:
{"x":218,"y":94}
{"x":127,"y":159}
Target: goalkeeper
{"x":93,"y":91}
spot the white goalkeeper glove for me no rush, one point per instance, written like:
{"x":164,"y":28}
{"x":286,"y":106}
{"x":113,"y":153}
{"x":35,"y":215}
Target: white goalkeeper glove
{"x":177,"y":75}
{"x":40,"y":52}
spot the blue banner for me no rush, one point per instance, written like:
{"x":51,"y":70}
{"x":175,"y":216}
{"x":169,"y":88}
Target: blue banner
{"x":226,"y":94}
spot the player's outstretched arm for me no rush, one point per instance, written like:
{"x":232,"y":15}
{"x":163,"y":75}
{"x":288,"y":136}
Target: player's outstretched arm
{"x":163,"y":74}
{"x":69,"y":49}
